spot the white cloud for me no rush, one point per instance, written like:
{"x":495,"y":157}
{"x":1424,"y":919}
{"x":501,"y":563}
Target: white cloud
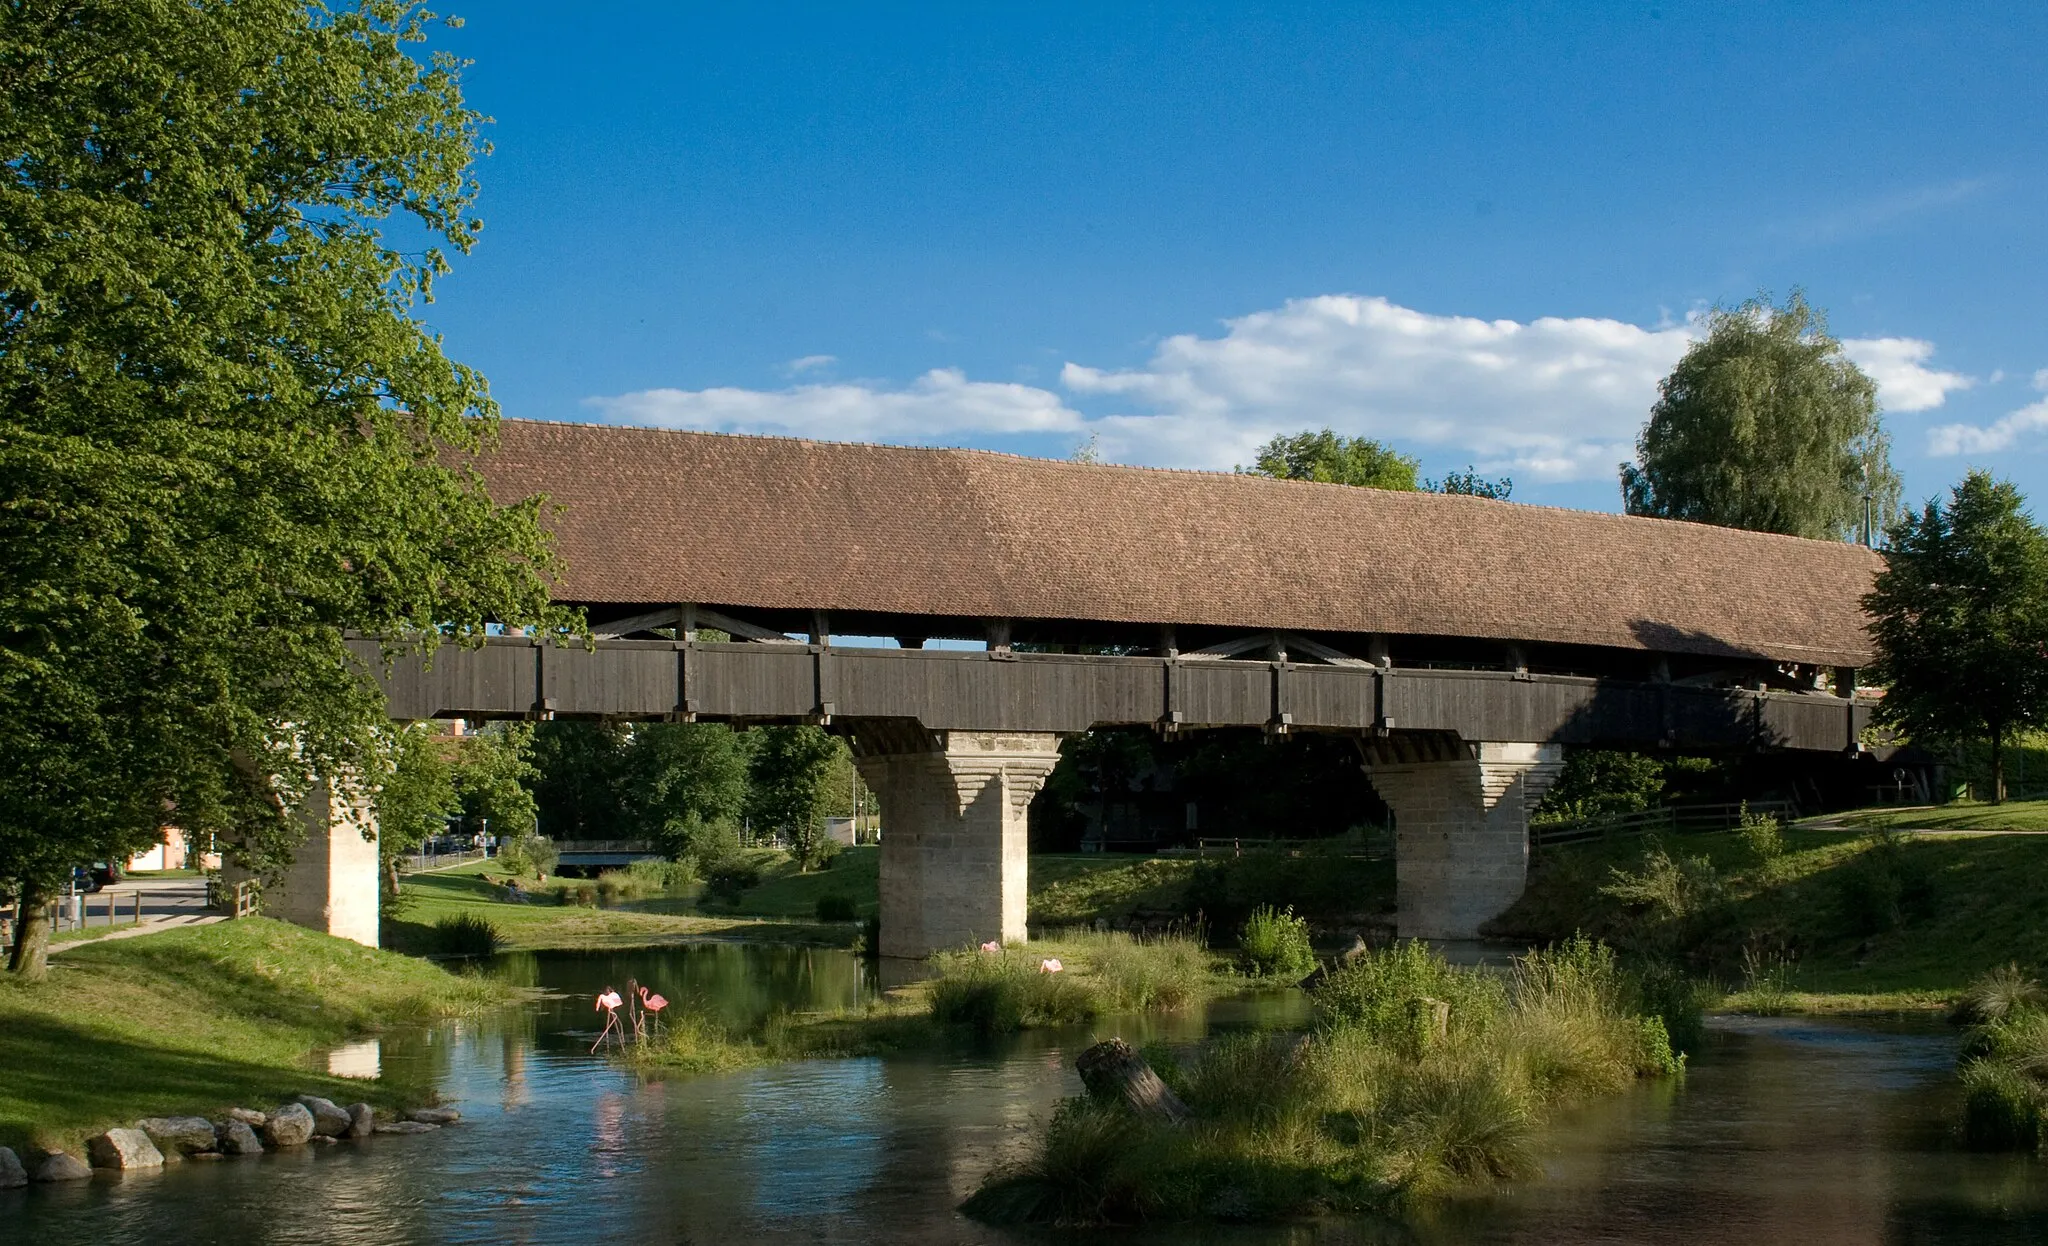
{"x":1549,"y":399}
{"x":1950,"y":440}
{"x":809,"y":362}
{"x":940,"y":404}
{"x":1897,"y":364}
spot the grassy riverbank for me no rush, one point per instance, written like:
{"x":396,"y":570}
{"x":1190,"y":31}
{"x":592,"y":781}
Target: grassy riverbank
{"x":203,"y":1018}
{"x":539,"y":922}
{"x":1420,"y":1078}
{"x":1817,"y":920}
{"x":969,"y":993}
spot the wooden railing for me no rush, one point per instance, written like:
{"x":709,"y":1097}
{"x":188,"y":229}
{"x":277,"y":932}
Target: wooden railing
{"x":1666,"y":820}
{"x":236,"y":899}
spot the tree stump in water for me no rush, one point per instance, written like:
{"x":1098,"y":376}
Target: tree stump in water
{"x":1111,"y":1070}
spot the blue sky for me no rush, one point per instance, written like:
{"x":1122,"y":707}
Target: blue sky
{"x":1475,"y":232}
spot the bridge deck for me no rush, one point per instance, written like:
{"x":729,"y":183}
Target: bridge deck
{"x":980,"y":691}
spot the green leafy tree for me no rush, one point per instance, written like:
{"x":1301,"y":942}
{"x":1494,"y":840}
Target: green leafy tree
{"x":683,"y":777}
{"x":493,"y":773}
{"x":417,"y":797}
{"x":790,"y":769}
{"x":1470,"y":483}
{"x":1765,"y":424}
{"x":1328,"y":458}
{"x":583,"y":780}
{"x":223,"y":436}
{"x":1960,"y":617}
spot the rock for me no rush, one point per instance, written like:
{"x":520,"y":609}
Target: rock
{"x":437,"y":1116}
{"x":236,"y":1138}
{"x":207,"y":1155}
{"x":12,"y":1173}
{"x":330,"y":1120}
{"x":249,"y":1116}
{"x":362,"y":1120}
{"x":406,"y":1127}
{"x":57,"y":1166}
{"x":288,"y":1126}
{"x":324,"y":1140}
{"x":179,"y":1135}
{"x":124,"y":1148}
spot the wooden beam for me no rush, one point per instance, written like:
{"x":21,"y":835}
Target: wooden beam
{"x":739,"y":629}
{"x":667,"y":616}
{"x":1231,"y":648}
{"x":1321,"y":652}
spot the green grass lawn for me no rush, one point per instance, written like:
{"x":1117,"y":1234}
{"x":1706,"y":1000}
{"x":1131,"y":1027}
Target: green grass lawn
{"x":471,"y":889}
{"x":1861,"y":923}
{"x":203,"y":1018}
{"x":1963,"y":815}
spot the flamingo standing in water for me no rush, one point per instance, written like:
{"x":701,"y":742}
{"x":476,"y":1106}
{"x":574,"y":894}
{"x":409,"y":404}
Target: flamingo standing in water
{"x":651,"y":1005}
{"x":608,"y":1004}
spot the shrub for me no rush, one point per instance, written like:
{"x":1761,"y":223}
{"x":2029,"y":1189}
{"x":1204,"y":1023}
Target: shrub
{"x":1666,"y":888}
{"x":1761,"y":835}
{"x":467,"y":935}
{"x":1129,"y":973}
{"x":1663,"y":991}
{"x":868,"y":944}
{"x":1387,"y":994}
{"x":656,"y":875}
{"x":2002,"y":1108}
{"x":1998,"y":995}
{"x":730,"y":881}
{"x":1000,"y":994}
{"x":1275,"y":943}
{"x":1885,"y":886}
{"x":836,"y":908}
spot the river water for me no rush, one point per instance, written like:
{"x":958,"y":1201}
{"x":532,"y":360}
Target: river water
{"x":1798,"y":1131}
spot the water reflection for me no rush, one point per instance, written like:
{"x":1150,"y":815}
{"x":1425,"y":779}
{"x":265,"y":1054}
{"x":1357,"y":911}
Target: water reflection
{"x":1812,"y":1132}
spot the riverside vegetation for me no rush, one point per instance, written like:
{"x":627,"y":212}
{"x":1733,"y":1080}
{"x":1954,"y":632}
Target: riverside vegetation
{"x":1418,"y":1078}
{"x":205,"y":1017}
{"x":979,"y":993}
{"x":1806,"y":919}
{"x":2004,"y":1065}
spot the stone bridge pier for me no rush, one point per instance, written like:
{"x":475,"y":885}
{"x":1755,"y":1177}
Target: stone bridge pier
{"x":332,"y":884}
{"x":954,"y":845}
{"x":1461,"y":825}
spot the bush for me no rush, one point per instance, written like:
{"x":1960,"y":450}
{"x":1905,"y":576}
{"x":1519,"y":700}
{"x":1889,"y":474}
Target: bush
{"x":1666,"y":888}
{"x":1390,"y":994}
{"x":1129,"y":973}
{"x":868,"y":944}
{"x":836,"y":908}
{"x":1761,"y":835}
{"x":729,"y":882}
{"x":467,"y":935}
{"x":2002,"y":1108}
{"x":655,"y":875}
{"x":1998,"y":995}
{"x":1886,"y":886}
{"x":1003,"y":993}
{"x":1275,"y":944}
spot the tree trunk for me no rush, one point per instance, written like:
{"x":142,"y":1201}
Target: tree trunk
{"x":1111,"y":1070}
{"x":1998,"y":767}
{"x":30,"y":959}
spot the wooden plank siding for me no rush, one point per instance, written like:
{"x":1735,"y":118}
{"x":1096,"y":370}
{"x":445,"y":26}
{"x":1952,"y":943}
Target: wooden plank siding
{"x":953,"y":690}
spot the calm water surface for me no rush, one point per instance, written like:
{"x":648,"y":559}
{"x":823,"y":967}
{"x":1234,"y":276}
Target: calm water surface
{"x":1804,"y":1132}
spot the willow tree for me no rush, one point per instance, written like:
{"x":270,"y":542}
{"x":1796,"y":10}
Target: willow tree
{"x":224,"y":438}
{"x":1765,"y":424}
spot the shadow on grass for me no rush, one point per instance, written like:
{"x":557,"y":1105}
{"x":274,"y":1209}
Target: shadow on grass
{"x":65,"y":1080}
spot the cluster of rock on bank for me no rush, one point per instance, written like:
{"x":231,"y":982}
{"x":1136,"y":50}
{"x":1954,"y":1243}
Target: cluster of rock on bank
{"x":157,"y":1140}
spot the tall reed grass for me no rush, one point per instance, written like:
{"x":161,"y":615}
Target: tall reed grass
{"x":999,"y":992}
{"x":1419,"y":1078}
{"x":2004,"y":1064}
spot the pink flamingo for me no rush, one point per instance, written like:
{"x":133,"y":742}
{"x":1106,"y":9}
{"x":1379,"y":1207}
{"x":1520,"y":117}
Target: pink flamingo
{"x":992,"y":947}
{"x":652,"y":1004}
{"x":608,"y":1003}
{"x":1051,"y":964}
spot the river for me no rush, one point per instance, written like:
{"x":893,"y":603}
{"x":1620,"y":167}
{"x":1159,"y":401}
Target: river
{"x":1784,"y":1130}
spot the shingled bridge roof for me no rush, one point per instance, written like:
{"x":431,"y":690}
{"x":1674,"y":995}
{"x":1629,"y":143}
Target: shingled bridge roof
{"x":655,"y":516}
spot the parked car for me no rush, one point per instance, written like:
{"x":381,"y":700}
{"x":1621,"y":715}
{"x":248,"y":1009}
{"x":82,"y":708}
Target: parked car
{"x":95,"y":876}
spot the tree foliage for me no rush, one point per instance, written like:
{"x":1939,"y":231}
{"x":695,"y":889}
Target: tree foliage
{"x":1765,"y":424}
{"x":223,"y":437}
{"x":1471,"y":484}
{"x":1960,"y":617}
{"x":790,"y":770}
{"x":1328,"y":458}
